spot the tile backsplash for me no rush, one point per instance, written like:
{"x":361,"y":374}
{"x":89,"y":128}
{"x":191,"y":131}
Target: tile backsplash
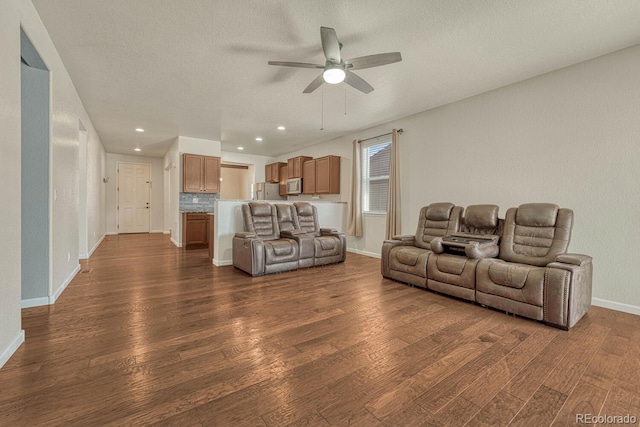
{"x":204,"y":202}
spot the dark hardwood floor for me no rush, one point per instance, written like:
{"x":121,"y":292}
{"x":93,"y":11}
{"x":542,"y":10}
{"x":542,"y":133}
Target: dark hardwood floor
{"x":150,"y":334}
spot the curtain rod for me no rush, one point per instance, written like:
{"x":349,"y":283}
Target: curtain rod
{"x":379,"y":136}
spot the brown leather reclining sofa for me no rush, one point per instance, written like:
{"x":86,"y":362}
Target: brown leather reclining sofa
{"x":284,"y":237}
{"x":518,"y":265}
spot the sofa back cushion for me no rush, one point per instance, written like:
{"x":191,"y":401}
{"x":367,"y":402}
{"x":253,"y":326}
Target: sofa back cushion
{"x":287,"y":217}
{"x":536,"y":233}
{"x":482,"y":219}
{"x":308,"y":218}
{"x":436,"y":220}
{"x":260,"y":218}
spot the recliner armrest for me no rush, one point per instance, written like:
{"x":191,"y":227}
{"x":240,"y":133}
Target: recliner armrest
{"x":436,"y":245}
{"x":573,"y":259}
{"x":291,"y":233}
{"x":246,"y":235}
{"x":330,"y":232}
{"x":404,"y":238}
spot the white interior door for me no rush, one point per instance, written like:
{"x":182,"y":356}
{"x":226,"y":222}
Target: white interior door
{"x":134,"y":184}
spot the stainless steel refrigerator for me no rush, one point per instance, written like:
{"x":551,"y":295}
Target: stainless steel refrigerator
{"x":267,"y":191}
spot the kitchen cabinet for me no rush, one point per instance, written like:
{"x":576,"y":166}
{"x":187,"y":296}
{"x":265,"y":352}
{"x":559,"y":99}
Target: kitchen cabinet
{"x":294,"y":166}
{"x":309,"y":177}
{"x":321,"y":176}
{"x":200,"y":174}
{"x":272,"y":172}
{"x":195,"y":230}
{"x":283,"y":179}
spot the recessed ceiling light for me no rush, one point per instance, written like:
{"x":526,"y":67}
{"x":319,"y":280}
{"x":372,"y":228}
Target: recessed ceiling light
{"x":240,"y":148}
{"x":281,"y":128}
{"x":258,"y":139}
{"x":139,"y":130}
{"x":137,"y":149}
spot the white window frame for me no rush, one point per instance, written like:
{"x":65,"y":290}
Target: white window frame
{"x":364,"y":146}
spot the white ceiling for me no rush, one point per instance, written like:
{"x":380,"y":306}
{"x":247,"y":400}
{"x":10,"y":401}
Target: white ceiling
{"x":199,"y":68}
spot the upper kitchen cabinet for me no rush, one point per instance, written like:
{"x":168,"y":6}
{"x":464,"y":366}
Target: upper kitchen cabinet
{"x":321,"y":176}
{"x":309,"y":177}
{"x":327,"y":175}
{"x":272,"y":172}
{"x":283,"y":179}
{"x":294,"y":166}
{"x":200,"y":174}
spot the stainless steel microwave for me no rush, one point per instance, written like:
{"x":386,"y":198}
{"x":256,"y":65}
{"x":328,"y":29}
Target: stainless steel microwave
{"x":294,"y":186}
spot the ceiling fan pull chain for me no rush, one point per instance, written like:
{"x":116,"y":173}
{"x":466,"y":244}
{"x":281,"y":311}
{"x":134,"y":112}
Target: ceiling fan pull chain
{"x":345,"y":101}
{"x":322,"y":111}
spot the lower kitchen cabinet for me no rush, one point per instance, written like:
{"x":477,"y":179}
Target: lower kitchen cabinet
{"x":195,"y":230}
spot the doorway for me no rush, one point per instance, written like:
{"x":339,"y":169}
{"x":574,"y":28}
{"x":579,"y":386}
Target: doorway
{"x":235,"y":181}
{"x":35,"y":178}
{"x":134,"y":197}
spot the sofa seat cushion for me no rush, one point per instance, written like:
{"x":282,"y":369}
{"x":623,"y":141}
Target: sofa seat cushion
{"x":409,"y":259}
{"x":282,"y":250}
{"x":327,"y":246}
{"x":518,"y":282}
{"x":452,"y":270}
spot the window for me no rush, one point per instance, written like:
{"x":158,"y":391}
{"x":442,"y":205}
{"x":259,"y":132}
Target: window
{"x":376,"y":162}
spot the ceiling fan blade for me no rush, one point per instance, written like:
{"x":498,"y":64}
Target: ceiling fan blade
{"x":357,"y":82}
{"x":330,"y":45}
{"x":315,"y":84}
{"x":374,"y":60}
{"x":295,"y":64}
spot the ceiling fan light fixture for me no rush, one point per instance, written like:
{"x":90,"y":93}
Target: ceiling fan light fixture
{"x":334,"y":75}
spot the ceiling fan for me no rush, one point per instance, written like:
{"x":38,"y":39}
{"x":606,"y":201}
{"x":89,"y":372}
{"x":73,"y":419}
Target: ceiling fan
{"x":338,"y":70}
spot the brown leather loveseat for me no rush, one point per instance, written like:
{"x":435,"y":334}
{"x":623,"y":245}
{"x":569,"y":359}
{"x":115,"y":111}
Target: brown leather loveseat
{"x":532,"y":275}
{"x":284,"y":237}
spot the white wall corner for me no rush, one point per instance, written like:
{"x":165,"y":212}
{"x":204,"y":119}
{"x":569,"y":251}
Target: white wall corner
{"x":176,"y":243}
{"x":219,"y":263}
{"x":618,"y":306}
{"x":11,"y":348}
{"x":95,"y":246}
{"x":56,"y":295}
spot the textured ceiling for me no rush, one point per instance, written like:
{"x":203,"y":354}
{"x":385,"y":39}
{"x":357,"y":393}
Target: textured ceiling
{"x":199,"y":68}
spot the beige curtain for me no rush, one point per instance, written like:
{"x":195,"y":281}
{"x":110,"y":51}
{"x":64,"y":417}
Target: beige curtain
{"x":355,"y":205}
{"x":393,"y":203}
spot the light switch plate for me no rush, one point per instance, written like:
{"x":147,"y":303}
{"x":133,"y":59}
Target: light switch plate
{"x":195,"y":200}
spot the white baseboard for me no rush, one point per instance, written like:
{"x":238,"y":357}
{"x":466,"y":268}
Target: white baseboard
{"x":34,"y":302}
{"x":219,"y":263}
{"x":157,"y":232}
{"x":176,"y":243}
{"x":618,"y":306}
{"x":87,"y":256}
{"x":365,"y":253}
{"x":56,"y":295}
{"x":166,"y":232}
{"x":11,"y":348}
{"x":110,"y":233}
